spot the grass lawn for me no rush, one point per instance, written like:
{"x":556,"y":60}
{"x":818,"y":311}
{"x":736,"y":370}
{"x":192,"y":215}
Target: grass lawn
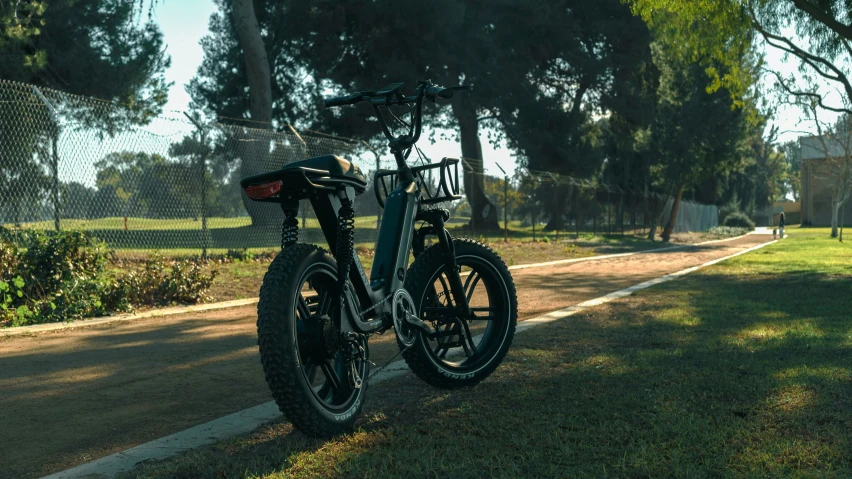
{"x":184,"y":236}
{"x":740,"y":370}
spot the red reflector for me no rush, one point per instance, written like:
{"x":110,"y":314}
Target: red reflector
{"x":261,"y":192}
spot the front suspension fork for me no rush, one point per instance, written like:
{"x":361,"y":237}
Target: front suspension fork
{"x":438,"y":218}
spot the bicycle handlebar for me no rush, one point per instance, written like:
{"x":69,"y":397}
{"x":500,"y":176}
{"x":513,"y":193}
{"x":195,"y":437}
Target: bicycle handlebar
{"x":425,"y":89}
{"x":390,"y":96}
{"x":343,"y":100}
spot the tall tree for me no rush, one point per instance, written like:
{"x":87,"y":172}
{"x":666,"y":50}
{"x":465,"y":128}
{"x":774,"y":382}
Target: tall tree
{"x":793,"y":157}
{"x":697,"y":134}
{"x":526,"y":60}
{"x":816,"y":33}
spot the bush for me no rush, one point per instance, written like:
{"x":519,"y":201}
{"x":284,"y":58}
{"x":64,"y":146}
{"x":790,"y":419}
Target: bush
{"x":55,"y":277}
{"x":739,"y":220}
{"x":728,"y":231}
{"x":62,"y":276}
{"x":163,"y":281}
{"x":240,"y":255}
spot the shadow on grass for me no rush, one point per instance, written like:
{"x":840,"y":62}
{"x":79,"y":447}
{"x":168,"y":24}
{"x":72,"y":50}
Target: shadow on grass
{"x":710,"y":376}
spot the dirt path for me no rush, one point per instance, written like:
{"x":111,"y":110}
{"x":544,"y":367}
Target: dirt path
{"x":73,"y":396}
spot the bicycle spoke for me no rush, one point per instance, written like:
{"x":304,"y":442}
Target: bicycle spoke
{"x":488,"y":317}
{"x":472,"y":281}
{"x":441,"y":352}
{"x":330,"y":374}
{"x":467,"y":339}
{"x":324,"y":302}
{"x":303,"y":309}
{"x":310,"y":369}
{"x":446,"y":289}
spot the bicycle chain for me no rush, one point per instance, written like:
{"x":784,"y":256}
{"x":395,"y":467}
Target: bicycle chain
{"x":364,"y":313}
{"x":389,"y":361}
{"x":377,"y":371}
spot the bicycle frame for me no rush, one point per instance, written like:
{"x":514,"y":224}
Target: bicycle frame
{"x":397,"y":237}
{"x":402,"y":209}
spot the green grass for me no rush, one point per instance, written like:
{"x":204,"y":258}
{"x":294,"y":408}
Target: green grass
{"x":187,"y":224}
{"x":185,"y":235}
{"x":741,"y":370}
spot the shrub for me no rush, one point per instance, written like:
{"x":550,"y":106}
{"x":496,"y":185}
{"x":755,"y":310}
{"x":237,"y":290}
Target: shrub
{"x":727,"y":231}
{"x":239,"y":255}
{"x":61,"y":276}
{"x":56,"y":276}
{"x":739,"y":220}
{"x":163,"y":281}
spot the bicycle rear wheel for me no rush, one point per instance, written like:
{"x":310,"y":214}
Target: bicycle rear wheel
{"x":303,"y":361}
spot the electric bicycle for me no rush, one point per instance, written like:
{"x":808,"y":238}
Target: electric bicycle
{"x":453,"y":311}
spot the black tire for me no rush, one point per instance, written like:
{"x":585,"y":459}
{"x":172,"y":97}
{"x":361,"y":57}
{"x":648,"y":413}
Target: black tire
{"x":289,"y":361}
{"x":424,"y":358}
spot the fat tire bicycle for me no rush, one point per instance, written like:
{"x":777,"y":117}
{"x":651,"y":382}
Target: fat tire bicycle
{"x":453,"y":311}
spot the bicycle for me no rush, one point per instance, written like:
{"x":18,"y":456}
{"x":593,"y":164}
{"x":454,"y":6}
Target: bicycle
{"x":317,"y":311}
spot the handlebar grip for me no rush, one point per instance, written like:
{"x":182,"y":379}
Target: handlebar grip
{"x":436,"y":91}
{"x":342,"y":100}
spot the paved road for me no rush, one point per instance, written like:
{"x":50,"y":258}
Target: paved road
{"x":73,"y":396}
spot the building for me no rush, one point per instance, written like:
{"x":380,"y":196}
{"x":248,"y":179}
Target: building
{"x":820,"y":157}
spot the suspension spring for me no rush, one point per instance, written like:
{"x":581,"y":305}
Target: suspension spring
{"x":345,"y":247}
{"x":290,"y":229}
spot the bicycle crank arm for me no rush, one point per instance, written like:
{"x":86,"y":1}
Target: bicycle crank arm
{"x":419,"y":324}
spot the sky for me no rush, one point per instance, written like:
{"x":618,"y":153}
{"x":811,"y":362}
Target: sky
{"x":184,"y":23}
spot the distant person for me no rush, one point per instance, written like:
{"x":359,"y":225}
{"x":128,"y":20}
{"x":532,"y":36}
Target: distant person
{"x":781,"y":220}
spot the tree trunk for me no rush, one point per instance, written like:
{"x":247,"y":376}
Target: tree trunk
{"x":561,"y":194}
{"x":835,"y":206}
{"x":252,"y":153}
{"x":483,"y":212}
{"x":667,"y":232}
{"x":257,"y":63}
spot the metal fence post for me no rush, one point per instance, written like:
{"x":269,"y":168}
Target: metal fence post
{"x":54,"y":161}
{"x":595,"y":219}
{"x":470,"y":169}
{"x":505,"y":203}
{"x":202,"y":172}
{"x":534,"y":218}
{"x":303,"y":203}
{"x":576,"y":195}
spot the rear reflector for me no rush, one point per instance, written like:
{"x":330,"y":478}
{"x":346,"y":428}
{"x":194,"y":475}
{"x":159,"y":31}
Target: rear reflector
{"x":263,"y":191}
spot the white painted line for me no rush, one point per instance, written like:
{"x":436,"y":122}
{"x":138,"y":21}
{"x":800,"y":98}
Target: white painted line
{"x":251,"y":418}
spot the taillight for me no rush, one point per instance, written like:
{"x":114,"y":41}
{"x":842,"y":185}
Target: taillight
{"x":263,"y":191}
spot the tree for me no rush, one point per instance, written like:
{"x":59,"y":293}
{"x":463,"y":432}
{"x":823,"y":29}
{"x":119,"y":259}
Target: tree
{"x":526,"y":60}
{"x":598,"y":64}
{"x":817,"y":33}
{"x":88,"y":47}
{"x":697,"y":134}
{"x":76,"y":200}
{"x":139,"y":184}
{"x":793,"y":157}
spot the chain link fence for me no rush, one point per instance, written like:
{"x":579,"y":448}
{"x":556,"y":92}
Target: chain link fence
{"x":171,"y":182}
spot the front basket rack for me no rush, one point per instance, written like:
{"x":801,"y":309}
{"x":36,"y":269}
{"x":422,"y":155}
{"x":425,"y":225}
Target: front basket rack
{"x":447,"y":188}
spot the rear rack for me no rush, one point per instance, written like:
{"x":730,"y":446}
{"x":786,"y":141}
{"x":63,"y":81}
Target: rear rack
{"x":447,"y":188}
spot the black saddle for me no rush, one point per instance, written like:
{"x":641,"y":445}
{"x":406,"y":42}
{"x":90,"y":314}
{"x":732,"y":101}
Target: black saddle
{"x":301,"y":179}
